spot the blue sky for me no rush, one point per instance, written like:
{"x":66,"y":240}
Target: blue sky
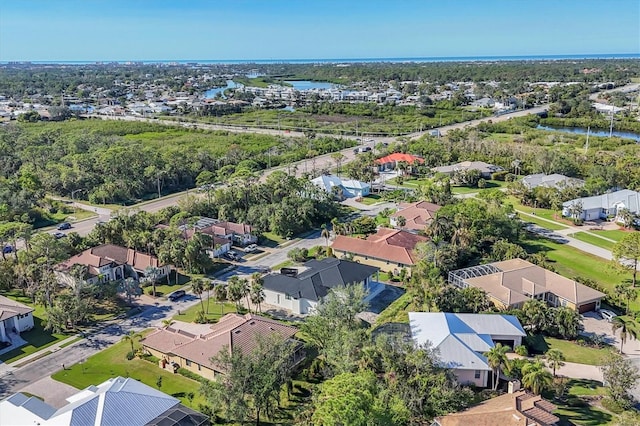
{"x":88,"y":30}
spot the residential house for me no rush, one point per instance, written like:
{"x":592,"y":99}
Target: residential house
{"x":301,"y":293}
{"x":486,"y":169}
{"x":238,"y":233}
{"x":517,"y":408}
{"x":116,"y":402}
{"x":462,"y":339}
{"x":417,"y":215}
{"x":342,"y":188}
{"x":15,"y":318}
{"x":554,"y":180}
{"x":602,"y":206}
{"x":205,"y":225}
{"x":388,"y":249}
{"x":510,"y":283}
{"x":390,"y":162}
{"x":191,"y":346}
{"x":109,"y":262}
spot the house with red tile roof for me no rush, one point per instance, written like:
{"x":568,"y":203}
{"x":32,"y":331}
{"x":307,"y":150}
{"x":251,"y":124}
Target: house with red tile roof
{"x":388,"y":249}
{"x":390,"y":162}
{"x":109,"y":262}
{"x":191,"y":346}
{"x":417,"y":215}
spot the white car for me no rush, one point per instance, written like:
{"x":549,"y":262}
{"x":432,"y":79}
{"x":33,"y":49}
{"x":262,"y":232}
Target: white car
{"x":250,"y":248}
{"x":607,"y":314}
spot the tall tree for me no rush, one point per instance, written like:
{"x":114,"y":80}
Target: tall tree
{"x":620,"y":376}
{"x":535,"y":377}
{"x":626,"y":253}
{"x":555,"y":359}
{"x":220,"y":295}
{"x":497,"y":359}
{"x":627,"y":327}
{"x":197,"y":286}
{"x":131,"y":337}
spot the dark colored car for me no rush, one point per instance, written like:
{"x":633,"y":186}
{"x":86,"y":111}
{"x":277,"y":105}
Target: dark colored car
{"x":63,"y":226}
{"x":230,"y":255}
{"x":176,"y":295}
{"x":7,"y":249}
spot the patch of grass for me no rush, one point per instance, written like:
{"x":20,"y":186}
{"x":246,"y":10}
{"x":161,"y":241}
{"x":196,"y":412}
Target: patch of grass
{"x":285,"y":264}
{"x":216,"y":311}
{"x":370,"y":199}
{"x":584,"y":387}
{"x":613,"y":234}
{"x":70,"y":342}
{"x":592,"y":239}
{"x":544,"y":213}
{"x":270,"y":239}
{"x":112,"y":362}
{"x":490,"y":184}
{"x":571,"y":262}
{"x":35,"y":358}
{"x":543,"y":223}
{"x":574,"y":352}
{"x":583,"y":416}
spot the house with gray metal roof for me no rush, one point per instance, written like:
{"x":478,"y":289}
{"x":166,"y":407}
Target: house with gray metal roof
{"x":602,"y":206}
{"x":116,"y":402}
{"x":301,"y":292}
{"x":462,"y":339}
{"x":554,"y":180}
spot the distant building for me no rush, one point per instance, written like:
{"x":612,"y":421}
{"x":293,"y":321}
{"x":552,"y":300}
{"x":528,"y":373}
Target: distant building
{"x":486,"y":169}
{"x":390,"y":162}
{"x":388,"y":249}
{"x":555,"y":180}
{"x":116,"y":402}
{"x":348,"y":188}
{"x":602,"y":206}
{"x":510,"y":283}
{"x":417,"y":215}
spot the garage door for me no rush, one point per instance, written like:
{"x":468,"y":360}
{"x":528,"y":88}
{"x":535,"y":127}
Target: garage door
{"x":588,"y":307}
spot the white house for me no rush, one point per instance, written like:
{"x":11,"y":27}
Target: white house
{"x":348,"y":187}
{"x":116,"y":402}
{"x":602,"y":206}
{"x":15,"y":318}
{"x":461,"y":340}
{"x":301,"y":291}
{"x":554,"y":180}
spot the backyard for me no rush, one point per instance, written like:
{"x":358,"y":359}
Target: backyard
{"x":215,"y":309}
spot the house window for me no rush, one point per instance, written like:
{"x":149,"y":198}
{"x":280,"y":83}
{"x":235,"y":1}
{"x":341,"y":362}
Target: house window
{"x":287,"y":297}
{"x":188,"y":363}
{"x":477,"y":374}
{"x":199,"y":367}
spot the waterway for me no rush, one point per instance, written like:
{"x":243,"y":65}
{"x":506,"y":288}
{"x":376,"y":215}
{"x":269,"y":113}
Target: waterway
{"x":592,"y":132}
{"x":308,"y":85}
{"x":211,"y":93}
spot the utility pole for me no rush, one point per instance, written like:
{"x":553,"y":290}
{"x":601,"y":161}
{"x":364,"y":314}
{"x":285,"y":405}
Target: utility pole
{"x":611,"y":125}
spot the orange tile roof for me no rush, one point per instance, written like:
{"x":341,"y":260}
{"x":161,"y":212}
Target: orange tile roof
{"x":418,"y":215}
{"x":399,"y":156}
{"x":106,"y":254}
{"x":387,"y":244}
{"x":232,"y":331}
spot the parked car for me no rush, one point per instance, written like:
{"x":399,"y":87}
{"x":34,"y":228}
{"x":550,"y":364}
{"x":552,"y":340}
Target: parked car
{"x":7,"y":249}
{"x":251,"y":248}
{"x":231,"y":255}
{"x":607,"y":314}
{"x":63,"y":226}
{"x":59,"y":235}
{"x":176,"y":295}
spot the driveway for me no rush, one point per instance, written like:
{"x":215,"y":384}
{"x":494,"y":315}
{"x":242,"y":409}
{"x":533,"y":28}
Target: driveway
{"x":593,"y":324}
{"x":53,"y":392}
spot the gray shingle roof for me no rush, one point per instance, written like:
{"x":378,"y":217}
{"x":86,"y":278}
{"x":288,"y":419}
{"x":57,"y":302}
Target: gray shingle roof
{"x":631,"y":200}
{"x":320,"y":276}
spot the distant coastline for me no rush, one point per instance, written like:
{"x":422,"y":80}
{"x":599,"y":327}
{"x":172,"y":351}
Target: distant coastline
{"x":345,"y":60}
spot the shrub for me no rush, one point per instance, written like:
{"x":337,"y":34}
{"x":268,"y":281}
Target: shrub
{"x":612,"y":405}
{"x":482,"y":183}
{"x":131,"y":355}
{"x":577,"y":402}
{"x":500,"y":175}
{"x":201,"y":318}
{"x":510,"y":177}
{"x":522,"y":350}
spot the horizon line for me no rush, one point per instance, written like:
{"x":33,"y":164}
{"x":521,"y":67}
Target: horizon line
{"x":338,"y":60}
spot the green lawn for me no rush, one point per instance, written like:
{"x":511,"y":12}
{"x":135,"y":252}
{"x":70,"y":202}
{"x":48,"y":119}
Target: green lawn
{"x":575,"y":410}
{"x":614,"y":234}
{"x":371,"y":199}
{"x":285,"y":264}
{"x":38,"y":337}
{"x":215,"y":311}
{"x":397,"y":311}
{"x":270,"y":239}
{"x":542,"y":223}
{"x":596,"y":241}
{"x":545,"y":213}
{"x":112,"y":362}
{"x":490,"y":184}
{"x":571,"y":263}
{"x":573,"y":352}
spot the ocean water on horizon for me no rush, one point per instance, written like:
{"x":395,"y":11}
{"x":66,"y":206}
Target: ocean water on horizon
{"x":353,"y":60}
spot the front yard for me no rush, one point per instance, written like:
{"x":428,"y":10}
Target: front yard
{"x":112,"y":362}
{"x":573,"y":351}
{"x":216,"y":311}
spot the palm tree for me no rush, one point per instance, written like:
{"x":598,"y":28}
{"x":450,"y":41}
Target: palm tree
{"x":401,"y":221}
{"x":627,"y":293}
{"x":208,"y":286}
{"x":555,"y":359}
{"x":198,"y":288}
{"x":131,"y":337}
{"x":325,"y":234}
{"x":497,"y":357}
{"x":153,"y":274}
{"x":235,"y":291}
{"x":535,"y":377}
{"x":220,"y":295}
{"x":627,"y":327}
